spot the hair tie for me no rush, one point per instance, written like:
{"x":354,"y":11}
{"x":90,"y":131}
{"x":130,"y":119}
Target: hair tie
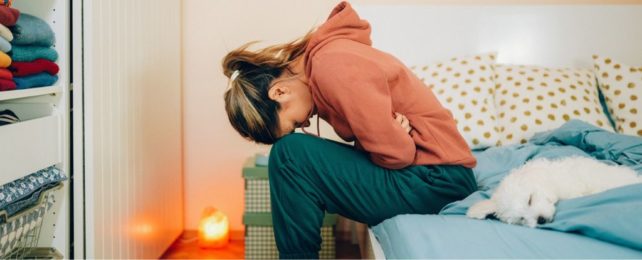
{"x":235,"y":75}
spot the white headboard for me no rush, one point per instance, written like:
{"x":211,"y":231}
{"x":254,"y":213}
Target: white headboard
{"x":547,"y":35}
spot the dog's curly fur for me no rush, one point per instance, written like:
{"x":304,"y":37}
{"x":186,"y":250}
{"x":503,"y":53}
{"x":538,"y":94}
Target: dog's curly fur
{"x":527,"y":196}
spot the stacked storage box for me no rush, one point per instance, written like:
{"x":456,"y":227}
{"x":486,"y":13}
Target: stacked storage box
{"x":259,"y":234}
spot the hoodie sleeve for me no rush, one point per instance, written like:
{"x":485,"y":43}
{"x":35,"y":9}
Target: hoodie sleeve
{"x":358,"y":90}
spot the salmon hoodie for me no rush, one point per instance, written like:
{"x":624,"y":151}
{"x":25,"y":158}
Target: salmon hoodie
{"x":357,"y":89}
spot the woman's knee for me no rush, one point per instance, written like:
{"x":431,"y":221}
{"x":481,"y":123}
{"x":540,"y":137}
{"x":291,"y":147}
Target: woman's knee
{"x":291,"y":145}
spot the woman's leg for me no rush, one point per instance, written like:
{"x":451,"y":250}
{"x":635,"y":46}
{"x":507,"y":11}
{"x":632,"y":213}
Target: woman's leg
{"x":310,"y":175}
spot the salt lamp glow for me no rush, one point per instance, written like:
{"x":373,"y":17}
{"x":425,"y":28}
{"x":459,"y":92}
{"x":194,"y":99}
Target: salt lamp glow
{"x":213,"y":229}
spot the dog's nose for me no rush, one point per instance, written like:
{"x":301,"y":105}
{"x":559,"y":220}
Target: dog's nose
{"x":541,"y":220}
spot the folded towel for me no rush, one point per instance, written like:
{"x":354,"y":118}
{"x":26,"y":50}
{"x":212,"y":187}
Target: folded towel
{"x":8,"y":15}
{"x":5,"y":60}
{"x":8,"y":117}
{"x":6,"y":74}
{"x":6,"y":84}
{"x":31,"y":30}
{"x":6,"y":33}
{"x":37,"y":80}
{"x":21,"y":69}
{"x":31,"y":53}
{"x":5,"y":46}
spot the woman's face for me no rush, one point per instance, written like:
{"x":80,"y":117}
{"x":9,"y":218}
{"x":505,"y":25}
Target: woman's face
{"x":293,"y":94}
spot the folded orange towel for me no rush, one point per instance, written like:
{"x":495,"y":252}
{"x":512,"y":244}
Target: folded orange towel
{"x":5,"y":60}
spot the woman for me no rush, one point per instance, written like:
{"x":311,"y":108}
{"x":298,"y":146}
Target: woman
{"x":408,"y":155}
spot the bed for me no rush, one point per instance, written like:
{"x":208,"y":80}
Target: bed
{"x":604,"y":225}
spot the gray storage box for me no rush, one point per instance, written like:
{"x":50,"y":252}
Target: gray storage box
{"x":259,"y":233}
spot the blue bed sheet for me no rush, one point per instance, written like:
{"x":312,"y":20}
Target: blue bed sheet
{"x":607,"y":224}
{"x":438,"y":236}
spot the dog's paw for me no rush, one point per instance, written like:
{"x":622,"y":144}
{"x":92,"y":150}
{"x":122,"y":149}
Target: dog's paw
{"x":482,"y":209}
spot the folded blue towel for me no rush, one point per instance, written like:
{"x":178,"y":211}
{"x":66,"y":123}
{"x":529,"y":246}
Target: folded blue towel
{"x":31,"y":30}
{"x":31,"y":53}
{"x":37,"y":80}
{"x":5,"y":46}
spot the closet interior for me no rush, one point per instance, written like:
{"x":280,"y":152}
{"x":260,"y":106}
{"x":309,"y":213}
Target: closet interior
{"x":35,"y":129}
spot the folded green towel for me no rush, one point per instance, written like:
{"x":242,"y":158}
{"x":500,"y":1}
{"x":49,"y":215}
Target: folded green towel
{"x":31,"y":30}
{"x":37,"y":80}
{"x":30,"y":53}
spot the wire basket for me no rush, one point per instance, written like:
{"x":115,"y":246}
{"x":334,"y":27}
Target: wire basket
{"x":20,"y":233}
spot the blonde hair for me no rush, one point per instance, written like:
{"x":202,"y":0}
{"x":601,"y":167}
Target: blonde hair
{"x":249,"y":108}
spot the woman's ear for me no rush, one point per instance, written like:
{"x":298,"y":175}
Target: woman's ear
{"x":279,"y":93}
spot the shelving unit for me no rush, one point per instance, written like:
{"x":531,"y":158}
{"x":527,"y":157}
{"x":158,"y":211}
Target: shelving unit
{"x":29,"y":93}
{"x":41,"y":138}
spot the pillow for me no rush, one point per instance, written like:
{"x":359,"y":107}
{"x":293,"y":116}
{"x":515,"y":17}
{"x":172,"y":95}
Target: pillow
{"x":464,"y":85}
{"x":531,"y":99}
{"x":621,"y":86}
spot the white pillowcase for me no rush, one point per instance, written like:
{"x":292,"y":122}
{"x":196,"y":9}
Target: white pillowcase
{"x":464,"y":85}
{"x":621,"y":86}
{"x":531,"y":99}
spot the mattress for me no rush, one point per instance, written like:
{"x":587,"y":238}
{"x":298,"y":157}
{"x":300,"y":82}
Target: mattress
{"x":437,"y":236}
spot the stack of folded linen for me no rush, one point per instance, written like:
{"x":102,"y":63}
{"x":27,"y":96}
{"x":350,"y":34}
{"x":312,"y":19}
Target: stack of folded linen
{"x":8,"y":117}
{"x":8,"y":17}
{"x":32,"y":54}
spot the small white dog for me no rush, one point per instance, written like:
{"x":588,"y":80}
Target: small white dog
{"x":527,"y":196}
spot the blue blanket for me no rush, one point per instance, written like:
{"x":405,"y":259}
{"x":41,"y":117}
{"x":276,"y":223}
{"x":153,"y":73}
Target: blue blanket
{"x":36,"y":80}
{"x":614,"y":216}
{"x":31,"y":30}
{"x":5,"y":46}
{"x":414,"y":236}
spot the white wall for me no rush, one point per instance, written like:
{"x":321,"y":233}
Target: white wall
{"x":214,"y":152}
{"x":133,"y":137}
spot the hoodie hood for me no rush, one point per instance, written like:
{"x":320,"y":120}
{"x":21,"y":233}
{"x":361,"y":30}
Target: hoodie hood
{"x":343,"y":23}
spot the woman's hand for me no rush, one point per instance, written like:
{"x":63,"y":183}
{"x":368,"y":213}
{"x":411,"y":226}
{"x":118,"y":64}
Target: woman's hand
{"x":403,"y":121}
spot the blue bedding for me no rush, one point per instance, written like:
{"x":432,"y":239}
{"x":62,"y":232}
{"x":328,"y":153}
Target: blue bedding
{"x":607,"y":224}
{"x":438,"y":236}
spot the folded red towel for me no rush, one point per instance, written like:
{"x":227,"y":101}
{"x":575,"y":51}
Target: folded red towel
{"x":8,"y":15}
{"x":21,"y":69}
{"x":5,"y":74}
{"x":6,"y":84}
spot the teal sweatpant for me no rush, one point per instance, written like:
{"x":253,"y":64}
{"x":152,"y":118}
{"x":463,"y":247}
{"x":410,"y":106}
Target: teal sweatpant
{"x":310,"y":175}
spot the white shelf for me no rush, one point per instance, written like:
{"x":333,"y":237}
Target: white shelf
{"x":31,"y":92}
{"x":29,"y":146}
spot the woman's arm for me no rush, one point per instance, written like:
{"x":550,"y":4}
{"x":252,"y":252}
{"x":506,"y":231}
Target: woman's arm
{"x":358,"y":90}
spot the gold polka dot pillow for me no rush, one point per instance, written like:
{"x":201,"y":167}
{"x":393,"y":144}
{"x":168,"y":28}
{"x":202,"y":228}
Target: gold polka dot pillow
{"x":464,"y":85}
{"x":622,"y":88}
{"x":531,"y":99}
